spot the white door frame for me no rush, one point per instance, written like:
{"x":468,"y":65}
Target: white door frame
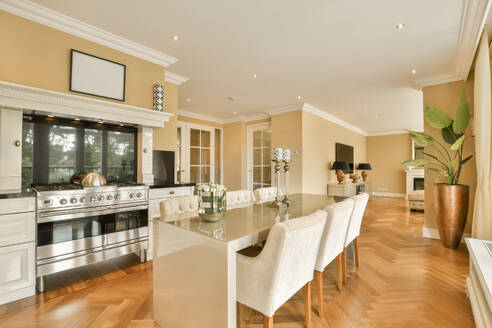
{"x":249,"y":150}
{"x":185,"y":149}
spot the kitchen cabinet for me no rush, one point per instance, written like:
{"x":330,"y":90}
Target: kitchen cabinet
{"x":156,"y":195}
{"x":17,"y":248}
{"x":10,"y":149}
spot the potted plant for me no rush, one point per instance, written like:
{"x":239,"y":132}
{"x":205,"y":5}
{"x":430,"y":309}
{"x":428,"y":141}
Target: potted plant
{"x":354,"y":177}
{"x":450,"y":197}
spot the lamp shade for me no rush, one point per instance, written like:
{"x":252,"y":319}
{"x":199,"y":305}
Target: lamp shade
{"x":364,"y":166}
{"x":340,"y":165}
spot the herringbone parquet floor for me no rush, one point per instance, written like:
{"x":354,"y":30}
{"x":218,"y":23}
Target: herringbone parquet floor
{"x":403,"y":281}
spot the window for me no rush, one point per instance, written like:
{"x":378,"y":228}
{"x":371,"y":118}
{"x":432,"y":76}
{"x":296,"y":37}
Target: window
{"x":55,"y":149}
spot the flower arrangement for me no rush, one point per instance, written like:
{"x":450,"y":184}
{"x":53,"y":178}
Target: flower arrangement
{"x":211,"y":187}
{"x":211,"y":201}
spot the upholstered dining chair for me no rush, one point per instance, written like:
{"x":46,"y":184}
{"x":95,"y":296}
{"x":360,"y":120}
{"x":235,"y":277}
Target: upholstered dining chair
{"x":268,"y":194}
{"x":239,"y":198}
{"x":332,"y":244}
{"x":284,"y":266}
{"x":353,"y":231}
{"x":179,"y":207}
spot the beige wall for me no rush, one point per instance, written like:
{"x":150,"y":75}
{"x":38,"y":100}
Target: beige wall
{"x":444,"y":97}
{"x":318,"y":151}
{"x":385,"y":154}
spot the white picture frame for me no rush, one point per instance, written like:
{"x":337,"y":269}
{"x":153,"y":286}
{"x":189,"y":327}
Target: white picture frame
{"x":96,"y":76}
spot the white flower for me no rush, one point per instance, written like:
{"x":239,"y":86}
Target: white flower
{"x":206,"y":188}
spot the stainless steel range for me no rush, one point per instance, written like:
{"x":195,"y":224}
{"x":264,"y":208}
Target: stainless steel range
{"x":82,"y":225}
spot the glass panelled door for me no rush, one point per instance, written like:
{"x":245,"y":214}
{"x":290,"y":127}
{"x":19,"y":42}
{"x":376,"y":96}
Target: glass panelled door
{"x":259,"y":156}
{"x":201,"y":156}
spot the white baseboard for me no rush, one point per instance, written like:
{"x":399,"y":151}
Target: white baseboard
{"x":434,"y":234}
{"x":387,"y":194}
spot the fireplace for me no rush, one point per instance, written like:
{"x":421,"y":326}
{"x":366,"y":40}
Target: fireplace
{"x":418,"y":184}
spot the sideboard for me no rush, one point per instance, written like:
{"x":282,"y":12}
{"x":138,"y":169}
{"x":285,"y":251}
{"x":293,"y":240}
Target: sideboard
{"x":348,"y":189}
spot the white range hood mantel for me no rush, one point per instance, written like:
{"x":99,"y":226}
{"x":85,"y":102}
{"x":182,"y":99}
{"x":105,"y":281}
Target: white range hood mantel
{"x":64,"y":104}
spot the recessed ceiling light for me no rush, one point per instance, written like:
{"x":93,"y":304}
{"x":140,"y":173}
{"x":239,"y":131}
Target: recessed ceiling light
{"x":188,"y":99}
{"x":414,"y":71}
{"x":77,"y":119}
{"x":234,"y":113}
{"x":400,"y":26}
{"x":255,"y":76}
{"x":299,"y":97}
{"x":122,"y":124}
{"x":377,"y":115}
{"x":50,"y":116}
{"x":365,"y":108}
{"x":100,"y":121}
{"x":175,"y":38}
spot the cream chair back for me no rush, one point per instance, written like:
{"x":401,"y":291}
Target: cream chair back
{"x":284,"y":266}
{"x":179,"y":208}
{"x":333,"y":238}
{"x":240,"y":198}
{"x":266,"y":194}
{"x":360,"y":203}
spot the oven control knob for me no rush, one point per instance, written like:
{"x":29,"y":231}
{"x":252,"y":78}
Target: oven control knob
{"x":63,"y":201}
{"x":139,"y":195}
{"x":73,"y":200}
{"x":117,"y":197}
{"x":83,"y":199}
{"x":92,"y":199}
{"x":109,"y":197}
{"x":100,"y":198}
{"x":132,"y":195}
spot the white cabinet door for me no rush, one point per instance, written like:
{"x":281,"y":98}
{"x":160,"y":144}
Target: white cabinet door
{"x":17,"y":272}
{"x":17,"y":228}
{"x":10,"y":149}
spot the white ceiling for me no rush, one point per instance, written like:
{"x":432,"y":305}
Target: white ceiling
{"x":343,"y":57}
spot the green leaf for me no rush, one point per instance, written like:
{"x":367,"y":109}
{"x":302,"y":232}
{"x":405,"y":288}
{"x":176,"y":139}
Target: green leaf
{"x":448,"y":135}
{"x":420,"y":138}
{"x":466,"y":159}
{"x":451,"y":164}
{"x":462,"y":96}
{"x":458,"y":143}
{"x":462,"y":118}
{"x":436,"y":118}
{"x":415,"y":162}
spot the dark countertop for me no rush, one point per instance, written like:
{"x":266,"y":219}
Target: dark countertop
{"x":22,"y":194}
{"x":171,"y":185}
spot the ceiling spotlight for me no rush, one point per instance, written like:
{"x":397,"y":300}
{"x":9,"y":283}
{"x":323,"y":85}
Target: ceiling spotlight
{"x":254,"y":76}
{"x":77,"y":119}
{"x":414,"y":71}
{"x":188,"y":99}
{"x":299,"y":97}
{"x":400,"y":26}
{"x":377,"y":115}
{"x":234,"y":113}
{"x":175,"y":38}
{"x":232,"y":98}
{"x":365,"y":108}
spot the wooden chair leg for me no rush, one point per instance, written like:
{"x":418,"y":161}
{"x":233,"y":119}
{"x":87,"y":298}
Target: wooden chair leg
{"x":356,"y":250}
{"x":319,"y":285}
{"x":267,"y":322}
{"x":238,"y":318}
{"x":307,"y":303}
{"x":339,"y":271}
{"x":344,"y":264}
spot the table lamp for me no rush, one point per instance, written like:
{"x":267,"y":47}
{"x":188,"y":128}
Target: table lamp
{"x":365,"y":167}
{"x":340,"y":166}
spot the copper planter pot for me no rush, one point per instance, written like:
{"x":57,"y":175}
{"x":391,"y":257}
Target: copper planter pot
{"x":451,"y":206}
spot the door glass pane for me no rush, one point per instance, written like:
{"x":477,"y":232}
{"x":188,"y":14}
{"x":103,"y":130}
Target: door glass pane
{"x":205,"y":156}
{"x":217,"y":163}
{"x":267,"y":137}
{"x":195,"y":174}
{"x":267,"y":175}
{"x":179,"y":137}
{"x":195,"y":137}
{"x":267,"y":156}
{"x":27,"y":154}
{"x":93,"y":153}
{"x":62,"y":153}
{"x":257,"y":138}
{"x":194,"y":156}
{"x":257,"y":174}
{"x":205,"y":139}
{"x":121,"y":148}
{"x":257,"y":156}
{"x":205,"y":174}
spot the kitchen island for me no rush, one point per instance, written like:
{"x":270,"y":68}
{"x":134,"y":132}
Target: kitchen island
{"x":195,"y":261}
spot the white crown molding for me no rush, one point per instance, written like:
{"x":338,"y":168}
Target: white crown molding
{"x":285,"y":109}
{"x":320,"y":113}
{"x":68,"y":105}
{"x":202,"y":117}
{"x":386,"y":133}
{"x":438,"y":79}
{"x":473,"y":16}
{"x":174,"y":78}
{"x":56,"y":20}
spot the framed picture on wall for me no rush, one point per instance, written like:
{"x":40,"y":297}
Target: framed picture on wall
{"x":96,"y":76}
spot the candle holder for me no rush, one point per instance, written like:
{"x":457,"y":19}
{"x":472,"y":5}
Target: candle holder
{"x":277,"y":159}
{"x":286,"y":199}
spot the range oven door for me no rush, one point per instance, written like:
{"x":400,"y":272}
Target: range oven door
{"x":59,"y":240}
